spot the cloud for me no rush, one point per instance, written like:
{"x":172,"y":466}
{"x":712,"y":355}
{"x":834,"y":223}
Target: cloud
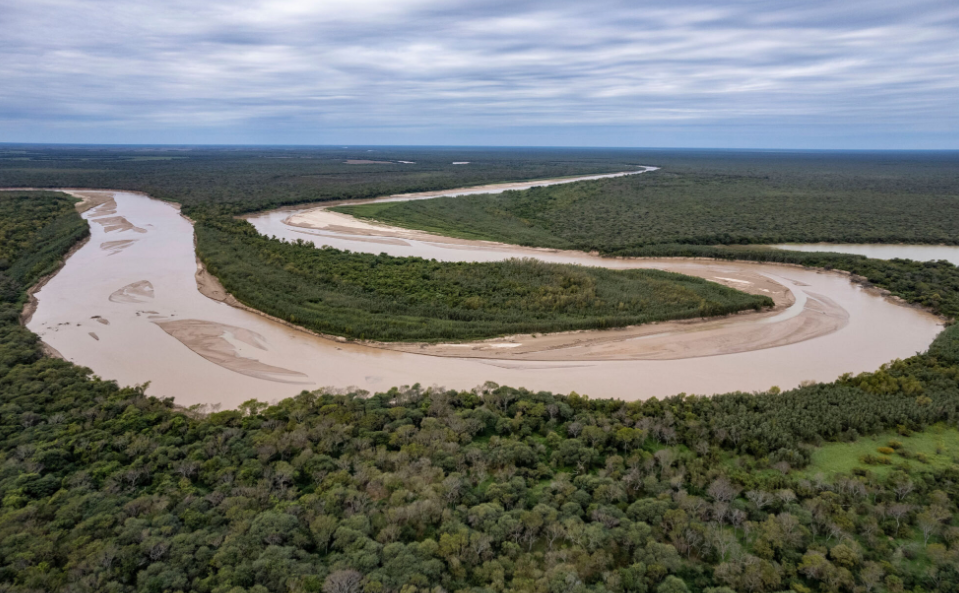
{"x":340,"y":69}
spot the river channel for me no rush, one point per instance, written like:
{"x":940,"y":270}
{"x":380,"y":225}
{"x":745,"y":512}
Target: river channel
{"x":950,"y":253}
{"x":126,"y":305}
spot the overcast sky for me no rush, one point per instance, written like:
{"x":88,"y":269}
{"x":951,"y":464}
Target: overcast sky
{"x":760,"y":73}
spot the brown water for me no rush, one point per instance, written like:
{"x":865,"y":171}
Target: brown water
{"x":126,"y":305}
{"x":950,"y":253}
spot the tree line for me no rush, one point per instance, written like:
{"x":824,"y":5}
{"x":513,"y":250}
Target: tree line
{"x":233,"y":180}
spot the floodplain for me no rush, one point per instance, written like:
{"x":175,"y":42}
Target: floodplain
{"x":205,"y":351}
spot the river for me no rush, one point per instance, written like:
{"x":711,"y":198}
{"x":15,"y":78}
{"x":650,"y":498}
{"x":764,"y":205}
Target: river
{"x":126,"y":305}
{"x":950,"y":253}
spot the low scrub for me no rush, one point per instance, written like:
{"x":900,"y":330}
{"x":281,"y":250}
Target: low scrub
{"x":380,"y":297}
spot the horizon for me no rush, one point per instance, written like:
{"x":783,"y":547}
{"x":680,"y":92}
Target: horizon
{"x":471,"y":146}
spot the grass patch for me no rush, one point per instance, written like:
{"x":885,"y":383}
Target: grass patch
{"x":939,"y":444}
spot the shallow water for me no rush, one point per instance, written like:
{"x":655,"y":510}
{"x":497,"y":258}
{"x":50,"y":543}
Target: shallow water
{"x":126,"y":305}
{"x":949,"y":253}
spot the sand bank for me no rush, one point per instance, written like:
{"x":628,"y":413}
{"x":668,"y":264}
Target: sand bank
{"x":216,"y":343}
{"x":200,"y":350}
{"x":743,"y":332}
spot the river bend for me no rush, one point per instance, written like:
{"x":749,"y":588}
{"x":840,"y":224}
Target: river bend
{"x":126,"y":305}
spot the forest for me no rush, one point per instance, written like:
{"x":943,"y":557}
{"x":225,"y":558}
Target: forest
{"x":103,"y":488}
{"x":848,"y":199}
{"x":495,"y":489}
{"x":233,"y":180}
{"x":36,"y":230}
{"x":379,"y":297}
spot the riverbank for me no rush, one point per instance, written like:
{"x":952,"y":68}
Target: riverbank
{"x":134,"y":348}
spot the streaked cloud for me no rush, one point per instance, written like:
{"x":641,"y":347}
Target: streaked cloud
{"x":424,"y":70}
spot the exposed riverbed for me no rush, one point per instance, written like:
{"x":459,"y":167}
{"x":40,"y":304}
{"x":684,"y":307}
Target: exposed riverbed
{"x":126,"y":305}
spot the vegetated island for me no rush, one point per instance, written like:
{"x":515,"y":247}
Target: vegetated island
{"x":727,"y":210}
{"x":385,"y":298}
{"x":497,"y":489}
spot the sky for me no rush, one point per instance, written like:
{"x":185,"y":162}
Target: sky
{"x":876,"y":74}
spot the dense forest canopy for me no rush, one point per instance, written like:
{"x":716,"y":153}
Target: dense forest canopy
{"x":103,"y":488}
{"x":380,"y":297}
{"x":491,"y":490}
{"x":244,"y":179}
{"x":22,"y":216}
{"x":495,"y":489}
{"x":36,"y":229}
{"x":852,"y":198}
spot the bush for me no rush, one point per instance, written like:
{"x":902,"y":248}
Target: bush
{"x":380,"y":297}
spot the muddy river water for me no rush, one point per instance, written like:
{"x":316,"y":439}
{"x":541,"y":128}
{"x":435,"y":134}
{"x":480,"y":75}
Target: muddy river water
{"x":126,"y":305}
{"x":950,"y":253}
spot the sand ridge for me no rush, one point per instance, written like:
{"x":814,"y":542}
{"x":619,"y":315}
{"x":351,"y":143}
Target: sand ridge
{"x":90,"y":199}
{"x":115,"y":247}
{"x":140,"y":291}
{"x":117,"y":224}
{"x":211,"y":340}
